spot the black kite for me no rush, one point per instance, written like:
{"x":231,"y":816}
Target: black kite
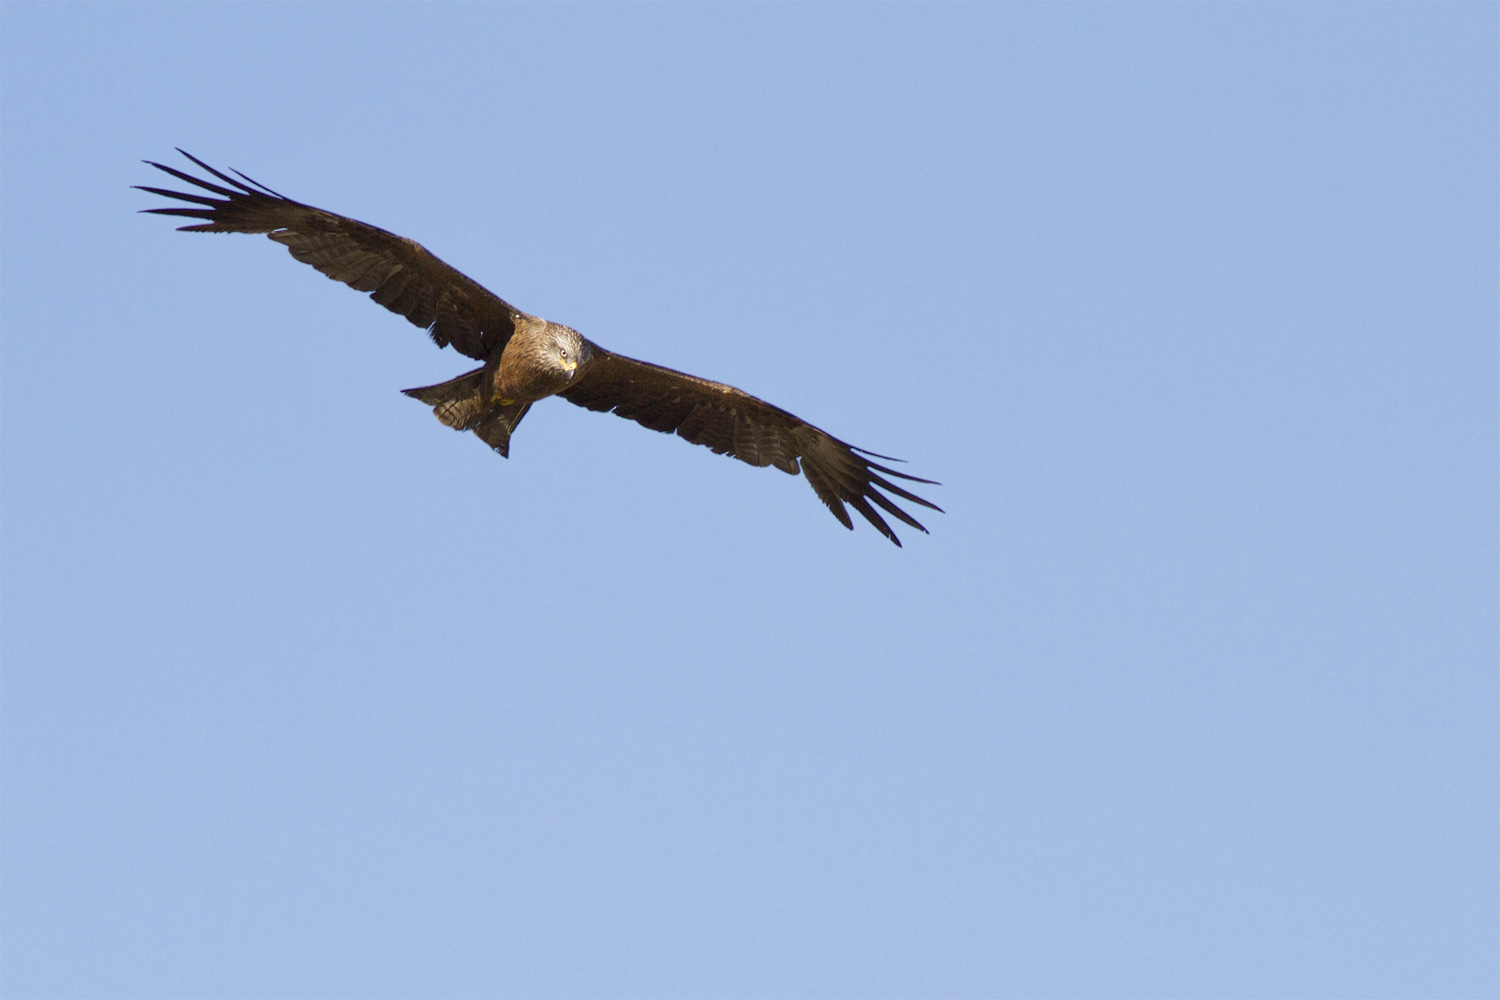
{"x":526,"y":358}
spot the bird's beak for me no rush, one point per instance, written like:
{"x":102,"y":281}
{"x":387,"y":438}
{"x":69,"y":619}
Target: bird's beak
{"x":572,"y":368}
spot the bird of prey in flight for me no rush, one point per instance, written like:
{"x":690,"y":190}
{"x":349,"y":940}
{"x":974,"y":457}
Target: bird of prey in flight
{"x":526,"y":358}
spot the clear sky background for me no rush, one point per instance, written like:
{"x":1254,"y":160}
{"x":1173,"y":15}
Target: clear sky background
{"x":1191,"y":692}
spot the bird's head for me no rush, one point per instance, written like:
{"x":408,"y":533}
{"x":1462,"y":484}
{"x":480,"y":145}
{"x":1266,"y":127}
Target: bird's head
{"x":567,"y":350}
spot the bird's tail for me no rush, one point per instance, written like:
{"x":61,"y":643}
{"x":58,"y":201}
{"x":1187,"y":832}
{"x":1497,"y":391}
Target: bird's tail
{"x":463,"y":404}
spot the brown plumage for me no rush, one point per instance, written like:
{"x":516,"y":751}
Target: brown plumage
{"x":526,"y":358}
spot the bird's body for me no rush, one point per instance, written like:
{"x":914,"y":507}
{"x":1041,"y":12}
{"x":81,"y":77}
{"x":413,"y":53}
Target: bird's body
{"x":539,"y":360}
{"x":526,"y":358}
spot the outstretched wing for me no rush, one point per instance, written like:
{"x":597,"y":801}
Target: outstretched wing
{"x":735,"y":423}
{"x":398,"y":273}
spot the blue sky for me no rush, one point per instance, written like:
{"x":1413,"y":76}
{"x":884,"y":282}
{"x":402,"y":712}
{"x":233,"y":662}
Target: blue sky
{"x":1191,"y":692}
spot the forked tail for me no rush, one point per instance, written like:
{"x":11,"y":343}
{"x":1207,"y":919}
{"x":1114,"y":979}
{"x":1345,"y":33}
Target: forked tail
{"x":463,"y":404}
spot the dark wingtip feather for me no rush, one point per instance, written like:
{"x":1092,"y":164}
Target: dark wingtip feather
{"x":868,"y":513}
{"x":221,"y":176}
{"x":890,"y":458}
{"x":892,"y":509}
{"x":258,"y":184}
{"x":887,"y":485}
{"x":196,"y":199}
{"x":189,"y":178}
{"x":190,"y":213}
{"x":903,"y":475}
